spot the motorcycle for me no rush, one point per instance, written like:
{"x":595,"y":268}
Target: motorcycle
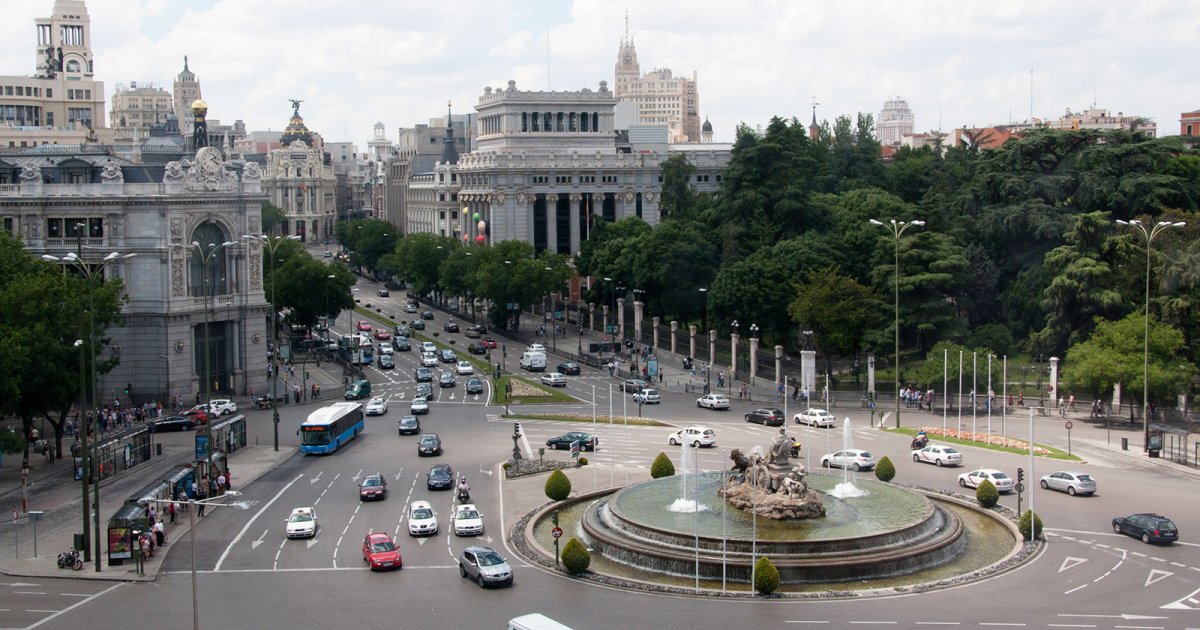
{"x":464,"y":495}
{"x":70,"y":558}
{"x":796,"y":446}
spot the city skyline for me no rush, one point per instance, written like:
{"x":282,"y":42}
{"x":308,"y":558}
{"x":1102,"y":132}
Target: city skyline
{"x":956,"y":65}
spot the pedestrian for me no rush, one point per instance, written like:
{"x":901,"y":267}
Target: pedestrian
{"x":1020,"y":397}
{"x":201,"y":495}
{"x":171,"y":509}
{"x":152,"y":513}
{"x":160,"y":533}
{"x":318,"y":386}
{"x":660,"y":376}
{"x":221,"y":484}
{"x":228,"y":478}
{"x":1071,"y":402}
{"x":313,"y":391}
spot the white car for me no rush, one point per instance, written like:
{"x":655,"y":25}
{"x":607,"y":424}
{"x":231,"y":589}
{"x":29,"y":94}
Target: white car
{"x":554,"y":379}
{"x":428,"y":346}
{"x":386,"y":348}
{"x":465,"y":368}
{"x":1003,"y":482}
{"x":221,"y":407}
{"x":647,"y":397}
{"x":938,"y":455}
{"x":376,"y":407}
{"x":815,"y":417}
{"x":852,"y":458}
{"x":1071,"y":482}
{"x":467,"y":520}
{"x":302,"y":523}
{"x":418,"y":406}
{"x":713,"y":401}
{"x":421,"y":519}
{"x":535,"y":347}
{"x":428,"y":359}
{"x":697,"y":436}
{"x":410,"y":308}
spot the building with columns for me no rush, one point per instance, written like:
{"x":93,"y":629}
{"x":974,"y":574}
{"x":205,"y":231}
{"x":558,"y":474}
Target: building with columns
{"x":300,"y":180}
{"x":661,"y":97}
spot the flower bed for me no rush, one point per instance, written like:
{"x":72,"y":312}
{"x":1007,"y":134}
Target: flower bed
{"x":986,"y":438}
{"x":521,"y":389}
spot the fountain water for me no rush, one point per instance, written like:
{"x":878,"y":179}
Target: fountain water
{"x":847,"y":489}
{"x":686,"y":463}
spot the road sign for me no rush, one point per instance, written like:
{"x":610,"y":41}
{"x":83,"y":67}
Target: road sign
{"x":1069,"y":425}
{"x":607,"y":338}
{"x":556,"y":532}
{"x":1020,"y":487}
{"x":575,"y":449}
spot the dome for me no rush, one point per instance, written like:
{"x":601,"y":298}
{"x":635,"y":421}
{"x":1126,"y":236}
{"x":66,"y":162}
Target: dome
{"x":296,"y":130}
{"x":707,"y":126}
{"x":199,"y":107}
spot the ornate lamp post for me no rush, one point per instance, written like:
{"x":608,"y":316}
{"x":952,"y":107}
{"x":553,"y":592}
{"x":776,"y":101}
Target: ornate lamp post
{"x":271,"y":244}
{"x":1149,"y":234}
{"x":90,"y":271}
{"x":897,"y":228}
{"x":733,"y":339}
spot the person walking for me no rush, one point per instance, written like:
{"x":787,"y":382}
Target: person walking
{"x":171,"y":510}
{"x":201,"y":495}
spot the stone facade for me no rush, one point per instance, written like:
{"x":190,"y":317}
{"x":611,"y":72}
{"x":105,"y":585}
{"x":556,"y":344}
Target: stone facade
{"x":895,"y":121}
{"x":135,"y":109}
{"x":661,"y":97}
{"x":298,"y":181}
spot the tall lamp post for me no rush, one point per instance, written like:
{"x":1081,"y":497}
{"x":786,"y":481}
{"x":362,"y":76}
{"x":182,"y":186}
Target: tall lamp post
{"x":733,"y":358}
{"x":271,"y":244}
{"x":90,"y":271}
{"x":897,"y":228}
{"x":1149,"y":234}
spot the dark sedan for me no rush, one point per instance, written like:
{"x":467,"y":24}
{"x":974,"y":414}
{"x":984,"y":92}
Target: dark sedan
{"x":569,"y":368}
{"x":426,"y":314}
{"x":450,"y":326}
{"x":474,"y":386}
{"x":446,"y":379}
{"x":1150,"y":528}
{"x":634,"y":385}
{"x":440,"y":477}
{"x":424,"y":375}
{"x":409,"y":425}
{"x":767,"y":416}
{"x":424,"y":390}
{"x":172,"y":423}
{"x":417,"y":325}
{"x":373,"y":488}
{"x":587,"y":441}
{"x":402,"y":344}
{"x":430,"y":444}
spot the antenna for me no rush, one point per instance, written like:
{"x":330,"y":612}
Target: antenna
{"x":1031,"y":95}
{"x":547,"y":57}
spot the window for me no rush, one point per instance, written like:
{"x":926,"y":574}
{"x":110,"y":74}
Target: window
{"x":54,"y":228}
{"x":541,"y":179}
{"x":562,"y":179}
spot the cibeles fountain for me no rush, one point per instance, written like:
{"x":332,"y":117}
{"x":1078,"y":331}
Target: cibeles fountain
{"x":815,"y":528}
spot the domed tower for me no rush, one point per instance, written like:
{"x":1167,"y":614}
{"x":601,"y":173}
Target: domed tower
{"x":627,"y":68}
{"x":706,"y":132}
{"x":296,"y":129}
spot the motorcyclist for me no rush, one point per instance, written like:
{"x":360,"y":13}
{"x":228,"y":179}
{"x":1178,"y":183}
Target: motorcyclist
{"x":464,"y":490}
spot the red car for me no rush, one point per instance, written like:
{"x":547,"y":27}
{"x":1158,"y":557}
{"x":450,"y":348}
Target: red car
{"x":380,"y":552}
{"x":383,"y":335}
{"x":364,"y":326}
{"x":489,"y":342}
{"x":198,"y":416}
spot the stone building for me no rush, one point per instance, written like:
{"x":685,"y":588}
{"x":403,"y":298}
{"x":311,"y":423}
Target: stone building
{"x":661,"y":97}
{"x":61,"y":199}
{"x":299,"y":180}
{"x":135,"y":109}
{"x":417,"y":149}
{"x":185,"y":91}
{"x":895,"y":121}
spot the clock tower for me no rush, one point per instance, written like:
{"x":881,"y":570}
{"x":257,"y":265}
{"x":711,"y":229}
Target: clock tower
{"x":627,"y":69}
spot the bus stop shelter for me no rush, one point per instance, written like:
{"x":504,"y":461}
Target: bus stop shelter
{"x":1171,"y":442}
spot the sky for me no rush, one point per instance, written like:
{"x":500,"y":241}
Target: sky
{"x":355,"y":62}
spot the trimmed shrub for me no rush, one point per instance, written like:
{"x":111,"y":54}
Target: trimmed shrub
{"x":766,"y":576}
{"x":986,"y":494}
{"x":506,"y":465}
{"x":558,"y":486}
{"x":575,"y":557}
{"x":885,"y":470}
{"x":662,"y":467}
{"x":583,"y":461}
{"x":1023,"y":525}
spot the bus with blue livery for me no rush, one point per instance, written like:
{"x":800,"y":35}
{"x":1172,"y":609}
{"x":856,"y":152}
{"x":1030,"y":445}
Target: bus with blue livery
{"x":328,"y":428}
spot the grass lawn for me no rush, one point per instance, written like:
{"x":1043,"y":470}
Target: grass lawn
{"x":1006,"y":445}
{"x":536,"y":392}
{"x":586,"y":418}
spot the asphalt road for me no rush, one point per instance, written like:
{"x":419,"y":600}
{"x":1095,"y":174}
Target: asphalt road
{"x":252,"y":576}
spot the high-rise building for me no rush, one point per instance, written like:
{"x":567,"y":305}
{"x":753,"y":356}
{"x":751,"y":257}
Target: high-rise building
{"x":299,"y":180}
{"x":136,"y":108}
{"x":186,"y":91}
{"x":61,"y":103}
{"x":895,"y":121}
{"x":661,"y":97}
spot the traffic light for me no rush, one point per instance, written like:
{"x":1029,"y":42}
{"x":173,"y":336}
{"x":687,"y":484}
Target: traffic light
{"x":1020,"y":475}
{"x":128,"y":387}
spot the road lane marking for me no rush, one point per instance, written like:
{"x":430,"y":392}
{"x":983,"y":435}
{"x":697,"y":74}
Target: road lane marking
{"x":257,"y":514}
{"x":1075,"y":589}
{"x":74,"y":606}
{"x":29,"y":592}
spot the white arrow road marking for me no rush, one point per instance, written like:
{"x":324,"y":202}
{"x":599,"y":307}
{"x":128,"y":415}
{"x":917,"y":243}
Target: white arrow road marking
{"x":398,"y":473}
{"x":1182,"y":603}
{"x":255,"y":543}
{"x":421,"y":541}
{"x":1070,"y":562}
{"x":452,"y":396}
{"x":487,"y":472}
{"x":317,"y":478}
{"x":400,"y":396}
{"x":475,"y":397}
{"x":310,"y":542}
{"x":1156,"y":575}
{"x":19,"y":584}
{"x":225,"y":554}
{"x":1125,"y":616}
{"x":357,"y":474}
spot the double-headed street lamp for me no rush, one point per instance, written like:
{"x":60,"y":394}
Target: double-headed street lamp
{"x":897,"y":228}
{"x":271,"y":244}
{"x":1149,"y":234}
{"x":90,"y":271}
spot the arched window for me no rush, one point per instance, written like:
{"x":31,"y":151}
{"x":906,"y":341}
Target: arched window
{"x":72,"y":66}
{"x":207,"y":235}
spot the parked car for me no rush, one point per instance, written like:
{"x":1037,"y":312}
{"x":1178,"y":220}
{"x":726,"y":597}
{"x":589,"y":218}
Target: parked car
{"x":421,"y":519}
{"x":301,"y":523}
{"x":450,"y":326}
{"x":587,"y":441}
{"x":221,"y":407}
{"x":429,"y":444}
{"x":854,"y":459}
{"x":1150,"y":528}
{"x":418,"y":406}
{"x":815,"y":417}
{"x":376,"y":406}
{"x":489,"y":343}
{"x":424,"y":375}
{"x":467,"y":520}
{"x":446,"y":379}
{"x":474,"y":386}
{"x":172,"y":423}
{"x":440,"y":477}
{"x":379,"y":551}
{"x":569,"y":368}
{"x":766,"y":416}
{"x":465,"y":368}
{"x":485,"y":566}
{"x":938,"y":455}
{"x":1002,"y":481}
{"x":647,"y":397}
{"x":697,"y":436}
{"x":387,"y":361}
{"x":713,"y":401}
{"x":554,"y":379}
{"x":634,"y":385}
{"x":372,"y":488}
{"x":409,"y":425}
{"x":1071,"y":482}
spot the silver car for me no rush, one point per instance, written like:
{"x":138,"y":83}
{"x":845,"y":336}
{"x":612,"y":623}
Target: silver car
{"x":1071,"y":482}
{"x":485,"y":566}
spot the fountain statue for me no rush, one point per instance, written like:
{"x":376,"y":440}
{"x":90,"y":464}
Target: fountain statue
{"x":770,"y":487}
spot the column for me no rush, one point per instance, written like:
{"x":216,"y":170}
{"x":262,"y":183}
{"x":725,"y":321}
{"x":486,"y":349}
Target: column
{"x":552,"y":222}
{"x":674,"y":329}
{"x":733,"y":343}
{"x":753,"y":358}
{"x":605,"y":311}
{"x":1053,"y":389}
{"x":808,"y":371}
{"x":637,"y":320}
{"x":871,"y":375}
{"x":591,"y":316}
{"x":779,"y":367}
{"x":621,"y":319}
{"x":712,"y":349}
{"x":576,"y":204}
{"x":654,"y":320}
{"x":692,"y":340}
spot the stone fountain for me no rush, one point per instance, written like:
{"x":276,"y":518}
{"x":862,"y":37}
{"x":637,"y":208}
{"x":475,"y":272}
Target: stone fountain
{"x":771,"y":487}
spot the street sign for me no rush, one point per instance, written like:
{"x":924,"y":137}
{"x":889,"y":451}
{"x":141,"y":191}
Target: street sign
{"x":607,"y":338}
{"x":1069,"y":425}
{"x":556,"y":532}
{"x":575,"y":449}
{"x":1020,"y":487}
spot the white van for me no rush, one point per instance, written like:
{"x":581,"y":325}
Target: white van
{"x":535,"y":621}
{"x":533,"y":361}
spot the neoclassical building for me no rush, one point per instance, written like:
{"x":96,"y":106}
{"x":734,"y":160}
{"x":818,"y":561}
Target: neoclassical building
{"x":299,"y":180}
{"x":59,"y":199}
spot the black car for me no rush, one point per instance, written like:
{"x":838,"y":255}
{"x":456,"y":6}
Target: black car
{"x":401,"y":329}
{"x":402,"y":344}
{"x":172,"y":423}
{"x":634,"y":385}
{"x":587,"y":441}
{"x":409,"y":425}
{"x":569,"y":368}
{"x":430,"y":444}
{"x":766,"y":416}
{"x":474,"y":386}
{"x":373,"y":488}
{"x":383,"y":293}
{"x":446,"y":379}
{"x":476,"y":348}
{"x":417,"y":325}
{"x":1150,"y":528}
{"x":386,"y":362}
{"x":450,"y":326}
{"x":424,"y":390}
{"x":424,"y":375}
{"x":440,"y":477}
{"x":426,"y":314}
{"x":448,"y":356}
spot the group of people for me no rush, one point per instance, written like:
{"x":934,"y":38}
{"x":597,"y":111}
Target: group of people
{"x":914,"y":397}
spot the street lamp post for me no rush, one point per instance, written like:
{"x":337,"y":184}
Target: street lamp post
{"x":1149,"y":234}
{"x":733,"y":356}
{"x":208,"y":253}
{"x":897,"y":228}
{"x":90,"y":272}
{"x":271,"y":244}
{"x":753,"y":351}
{"x":704,"y":290}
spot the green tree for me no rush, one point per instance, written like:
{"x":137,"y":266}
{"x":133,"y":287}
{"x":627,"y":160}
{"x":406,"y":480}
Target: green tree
{"x":766,"y":576}
{"x":755,"y":290}
{"x":1082,"y":288}
{"x":838,"y":310}
{"x":986,"y":494}
{"x":272,"y":217}
{"x":419,"y":258}
{"x":933,"y":271}
{"x":575,"y":557}
{"x":306,"y":291}
{"x":558,"y":486}
{"x":1114,"y":354}
{"x":911,"y":173}
{"x":677,"y":201}
{"x":662,"y":467}
{"x":671,"y":263}
{"x":885,"y":470}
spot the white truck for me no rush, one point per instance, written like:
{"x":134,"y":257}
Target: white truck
{"x":533,"y":361}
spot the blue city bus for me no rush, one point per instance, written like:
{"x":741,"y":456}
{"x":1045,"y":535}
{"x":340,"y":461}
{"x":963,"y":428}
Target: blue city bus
{"x":328,"y":428}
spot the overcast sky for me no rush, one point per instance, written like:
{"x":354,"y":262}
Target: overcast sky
{"x":355,"y":62}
